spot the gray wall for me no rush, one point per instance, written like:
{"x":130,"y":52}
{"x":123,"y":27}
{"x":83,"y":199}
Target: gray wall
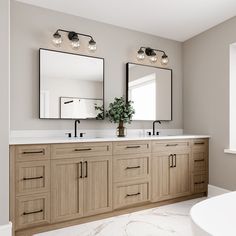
{"x":4,"y":116}
{"x":206,"y":96}
{"x":32,"y":28}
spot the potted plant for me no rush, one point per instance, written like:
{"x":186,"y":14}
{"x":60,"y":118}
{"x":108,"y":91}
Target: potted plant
{"x":120,"y":112}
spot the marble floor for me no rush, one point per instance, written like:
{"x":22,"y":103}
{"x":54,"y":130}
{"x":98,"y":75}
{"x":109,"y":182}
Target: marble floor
{"x":169,"y":220}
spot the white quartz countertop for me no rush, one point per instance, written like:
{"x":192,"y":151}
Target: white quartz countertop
{"x":54,"y":140}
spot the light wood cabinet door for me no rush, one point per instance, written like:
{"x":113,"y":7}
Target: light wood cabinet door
{"x":97,"y":180}
{"x":170,"y":175}
{"x":66,"y":189}
{"x":32,"y":210}
{"x":180,"y":175}
{"x":160,"y":177}
{"x":32,"y":177}
{"x":132,"y":193}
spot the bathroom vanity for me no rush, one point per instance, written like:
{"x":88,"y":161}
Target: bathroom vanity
{"x":57,"y":183}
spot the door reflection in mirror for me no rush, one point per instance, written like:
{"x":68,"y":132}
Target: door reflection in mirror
{"x":150,"y":89}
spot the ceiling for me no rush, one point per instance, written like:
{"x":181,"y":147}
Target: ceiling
{"x":174,"y":19}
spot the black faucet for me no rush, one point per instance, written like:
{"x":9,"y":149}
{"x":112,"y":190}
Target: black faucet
{"x":76,"y":122}
{"x":153,"y":126}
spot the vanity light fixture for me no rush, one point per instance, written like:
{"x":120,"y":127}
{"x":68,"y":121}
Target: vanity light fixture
{"x":151,"y":53}
{"x":74,"y":39}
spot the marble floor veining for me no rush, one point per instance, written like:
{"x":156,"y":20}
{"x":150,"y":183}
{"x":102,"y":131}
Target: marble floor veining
{"x":169,"y":220}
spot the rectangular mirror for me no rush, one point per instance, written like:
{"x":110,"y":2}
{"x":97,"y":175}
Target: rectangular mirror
{"x":71,"y":85}
{"x":150,"y":89}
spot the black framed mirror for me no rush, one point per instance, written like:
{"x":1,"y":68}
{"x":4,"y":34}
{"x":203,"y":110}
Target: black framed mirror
{"x":150,"y":89}
{"x":71,"y":85}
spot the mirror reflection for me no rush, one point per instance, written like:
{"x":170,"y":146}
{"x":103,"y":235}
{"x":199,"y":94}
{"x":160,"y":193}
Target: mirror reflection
{"x":71,"y":85}
{"x":150,"y":90}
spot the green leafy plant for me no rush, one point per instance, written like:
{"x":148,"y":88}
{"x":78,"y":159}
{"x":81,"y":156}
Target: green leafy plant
{"x":120,"y":111}
{"x":100,"y":115}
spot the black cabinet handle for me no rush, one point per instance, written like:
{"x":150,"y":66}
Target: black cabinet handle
{"x":32,"y":178}
{"x":131,"y":195}
{"x":171,"y":160}
{"x":199,"y":160}
{"x":199,"y":143}
{"x":81,"y":169}
{"x":174,"y":157}
{"x":82,"y":149}
{"x":33,"y":152}
{"x":32,"y":212}
{"x":86,"y":169}
{"x":132,"y":167}
{"x":172,"y":145}
{"x":202,"y":182}
{"x":133,"y":146}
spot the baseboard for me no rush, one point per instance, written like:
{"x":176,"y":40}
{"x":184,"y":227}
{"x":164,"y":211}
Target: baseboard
{"x":214,"y":190}
{"x":6,"y":230}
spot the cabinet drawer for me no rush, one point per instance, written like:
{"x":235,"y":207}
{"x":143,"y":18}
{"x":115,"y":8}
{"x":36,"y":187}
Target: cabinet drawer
{"x":120,"y":148}
{"x":125,"y":195}
{"x":32,"y":177}
{"x":80,"y":150}
{"x":32,"y":152}
{"x":165,"y":146}
{"x":32,"y":210}
{"x":199,"y":160}
{"x":130,"y":167}
{"x":200,"y":144}
{"x":199,"y":183}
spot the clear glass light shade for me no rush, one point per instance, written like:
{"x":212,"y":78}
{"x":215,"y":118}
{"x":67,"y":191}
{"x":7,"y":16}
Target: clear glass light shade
{"x":92,"y":46}
{"x":140,"y":56}
{"x":153,"y":58}
{"x":75,"y":43}
{"x":164,"y":60}
{"x":57,"y":40}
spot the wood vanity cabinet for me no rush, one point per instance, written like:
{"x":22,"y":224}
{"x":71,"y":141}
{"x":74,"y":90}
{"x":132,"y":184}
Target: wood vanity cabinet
{"x":54,"y":185}
{"x":131,"y":173}
{"x":200,"y":165}
{"x":29,"y":185}
{"x":81,"y":186}
{"x":171,"y":163}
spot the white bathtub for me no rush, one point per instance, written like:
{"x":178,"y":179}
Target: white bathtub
{"x":215,"y":216}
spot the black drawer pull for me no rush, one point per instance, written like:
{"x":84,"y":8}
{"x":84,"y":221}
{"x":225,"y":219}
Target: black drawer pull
{"x":33,"y":152}
{"x":83,"y":149}
{"x":199,"y":143}
{"x":32,"y":212}
{"x":172,"y":145}
{"x":80,"y":170}
{"x":134,"y":146}
{"x":132,"y":167}
{"x":202,"y":182}
{"x":86,"y":169}
{"x":32,"y":178}
{"x":131,"y":195}
{"x":199,"y":160}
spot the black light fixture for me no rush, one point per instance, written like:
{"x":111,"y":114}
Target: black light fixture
{"x":151,"y":53}
{"x":74,"y":38}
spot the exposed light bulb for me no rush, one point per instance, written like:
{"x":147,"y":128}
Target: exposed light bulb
{"x":92,"y":46}
{"x":140,"y":55}
{"x":75,"y":42}
{"x":57,"y":39}
{"x":164,"y":59}
{"x":153,"y":57}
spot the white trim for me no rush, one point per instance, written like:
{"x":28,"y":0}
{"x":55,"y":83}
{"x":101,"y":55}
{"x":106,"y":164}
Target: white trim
{"x":6,"y":230}
{"x":214,"y":190}
{"x":230,"y":151}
